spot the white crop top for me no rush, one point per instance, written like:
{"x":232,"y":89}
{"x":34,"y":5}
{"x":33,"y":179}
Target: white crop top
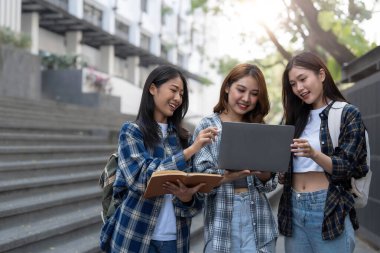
{"x":310,"y":133}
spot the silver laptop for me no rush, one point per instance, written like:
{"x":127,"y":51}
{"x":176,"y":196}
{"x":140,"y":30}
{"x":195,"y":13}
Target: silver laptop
{"x":255,"y":146}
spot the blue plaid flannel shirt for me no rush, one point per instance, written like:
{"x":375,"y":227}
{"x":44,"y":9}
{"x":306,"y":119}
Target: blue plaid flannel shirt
{"x":219,"y":203}
{"x":131,"y":227}
{"x":349,"y":160}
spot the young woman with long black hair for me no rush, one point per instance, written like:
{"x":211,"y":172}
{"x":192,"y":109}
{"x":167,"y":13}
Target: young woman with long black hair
{"x":155,"y":141}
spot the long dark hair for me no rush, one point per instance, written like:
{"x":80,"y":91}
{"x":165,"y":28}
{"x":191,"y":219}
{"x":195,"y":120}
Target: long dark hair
{"x":295,"y":111}
{"x":262,"y":106}
{"x":145,"y":117}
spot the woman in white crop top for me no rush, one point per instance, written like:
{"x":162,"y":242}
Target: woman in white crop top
{"x":316,"y":212}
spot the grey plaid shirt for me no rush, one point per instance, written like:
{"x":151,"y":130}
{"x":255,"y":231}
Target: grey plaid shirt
{"x":219,"y":203}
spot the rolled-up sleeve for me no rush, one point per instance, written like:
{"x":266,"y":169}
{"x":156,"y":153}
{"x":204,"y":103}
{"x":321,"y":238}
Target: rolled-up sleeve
{"x":205,"y":159}
{"x":188,"y":211}
{"x":349,"y":157}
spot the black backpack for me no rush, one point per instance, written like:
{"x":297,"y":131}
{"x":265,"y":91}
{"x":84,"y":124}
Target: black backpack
{"x":106,"y":180}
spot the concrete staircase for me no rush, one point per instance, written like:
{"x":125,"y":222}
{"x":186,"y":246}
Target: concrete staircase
{"x":51,"y":156}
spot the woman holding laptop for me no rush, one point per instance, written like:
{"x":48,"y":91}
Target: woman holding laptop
{"x":316,"y":211}
{"x":237,"y":215}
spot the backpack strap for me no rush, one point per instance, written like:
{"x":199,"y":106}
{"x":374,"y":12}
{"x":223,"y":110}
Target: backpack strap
{"x":334,"y":119}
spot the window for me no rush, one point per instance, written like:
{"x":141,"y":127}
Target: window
{"x":144,"y":6}
{"x":181,"y":60}
{"x":165,"y":12}
{"x":164,"y":51}
{"x":92,"y":14}
{"x":145,"y":42}
{"x":163,"y":18}
{"x":181,"y":28}
{"x":122,"y":29}
{"x":121,"y":68}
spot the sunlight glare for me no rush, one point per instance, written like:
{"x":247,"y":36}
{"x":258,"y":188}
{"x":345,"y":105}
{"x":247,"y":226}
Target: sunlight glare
{"x":261,"y":11}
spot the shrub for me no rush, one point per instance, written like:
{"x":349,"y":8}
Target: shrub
{"x":19,"y":40}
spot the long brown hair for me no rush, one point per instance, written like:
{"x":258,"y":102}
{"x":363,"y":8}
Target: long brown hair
{"x":295,"y":111}
{"x":262,"y":106}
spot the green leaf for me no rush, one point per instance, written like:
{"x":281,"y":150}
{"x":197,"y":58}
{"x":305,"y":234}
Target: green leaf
{"x":326,"y":19}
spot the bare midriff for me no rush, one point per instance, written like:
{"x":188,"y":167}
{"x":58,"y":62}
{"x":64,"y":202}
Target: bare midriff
{"x":310,"y":181}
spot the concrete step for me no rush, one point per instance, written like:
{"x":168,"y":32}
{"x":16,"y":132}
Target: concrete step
{"x":34,"y":182}
{"x":83,"y":240}
{"x":32,"y":227}
{"x":19,"y":202}
{"x":69,"y":117}
{"x":14,"y":139}
{"x":35,"y":153}
{"x":32,"y":126}
{"x":55,"y":163}
{"x":52,"y":106}
{"x":51,"y":157}
{"x":15,"y":107}
{"x":12,"y":175}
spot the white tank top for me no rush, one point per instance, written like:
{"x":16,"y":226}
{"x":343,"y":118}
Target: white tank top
{"x":310,"y":133}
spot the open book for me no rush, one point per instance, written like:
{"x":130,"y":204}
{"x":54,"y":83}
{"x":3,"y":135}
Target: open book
{"x":189,"y":179}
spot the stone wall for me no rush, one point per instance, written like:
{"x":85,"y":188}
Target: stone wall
{"x":20,"y":74}
{"x":66,"y":86}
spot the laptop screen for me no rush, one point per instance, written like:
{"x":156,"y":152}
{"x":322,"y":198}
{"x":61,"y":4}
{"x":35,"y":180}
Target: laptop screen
{"x":255,"y":146}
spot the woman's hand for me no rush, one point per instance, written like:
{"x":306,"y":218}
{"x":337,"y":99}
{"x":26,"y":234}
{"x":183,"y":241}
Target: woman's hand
{"x":281,"y":178}
{"x":206,"y":136}
{"x":232,"y":175}
{"x":184,"y":193}
{"x":302,"y":147}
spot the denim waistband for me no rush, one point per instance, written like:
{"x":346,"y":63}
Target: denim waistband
{"x":241,"y":196}
{"x":309,"y":200}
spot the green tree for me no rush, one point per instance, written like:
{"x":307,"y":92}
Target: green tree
{"x":329,"y":28}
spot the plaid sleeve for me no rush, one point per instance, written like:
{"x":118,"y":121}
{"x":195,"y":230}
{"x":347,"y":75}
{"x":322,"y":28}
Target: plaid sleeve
{"x":205,"y":160}
{"x":136,"y":164}
{"x":348,"y":157}
{"x":191,"y":210}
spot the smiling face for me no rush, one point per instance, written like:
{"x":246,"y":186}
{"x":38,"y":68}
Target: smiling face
{"x":308,"y":86}
{"x":167,"y":98}
{"x":242,"y":97}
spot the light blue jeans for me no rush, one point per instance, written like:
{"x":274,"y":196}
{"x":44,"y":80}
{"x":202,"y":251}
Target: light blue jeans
{"x":242,"y":231}
{"x":162,"y":246}
{"x":308,"y":211}
{"x":242,"y":234}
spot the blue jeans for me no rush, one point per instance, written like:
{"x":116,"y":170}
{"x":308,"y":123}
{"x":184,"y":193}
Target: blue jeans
{"x":162,"y":246}
{"x":242,"y":234}
{"x":308,"y":212}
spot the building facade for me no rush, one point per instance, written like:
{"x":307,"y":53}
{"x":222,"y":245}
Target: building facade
{"x":120,"y":41}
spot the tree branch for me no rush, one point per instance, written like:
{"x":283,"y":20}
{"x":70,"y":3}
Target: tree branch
{"x":327,"y":40}
{"x":279,"y":47}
